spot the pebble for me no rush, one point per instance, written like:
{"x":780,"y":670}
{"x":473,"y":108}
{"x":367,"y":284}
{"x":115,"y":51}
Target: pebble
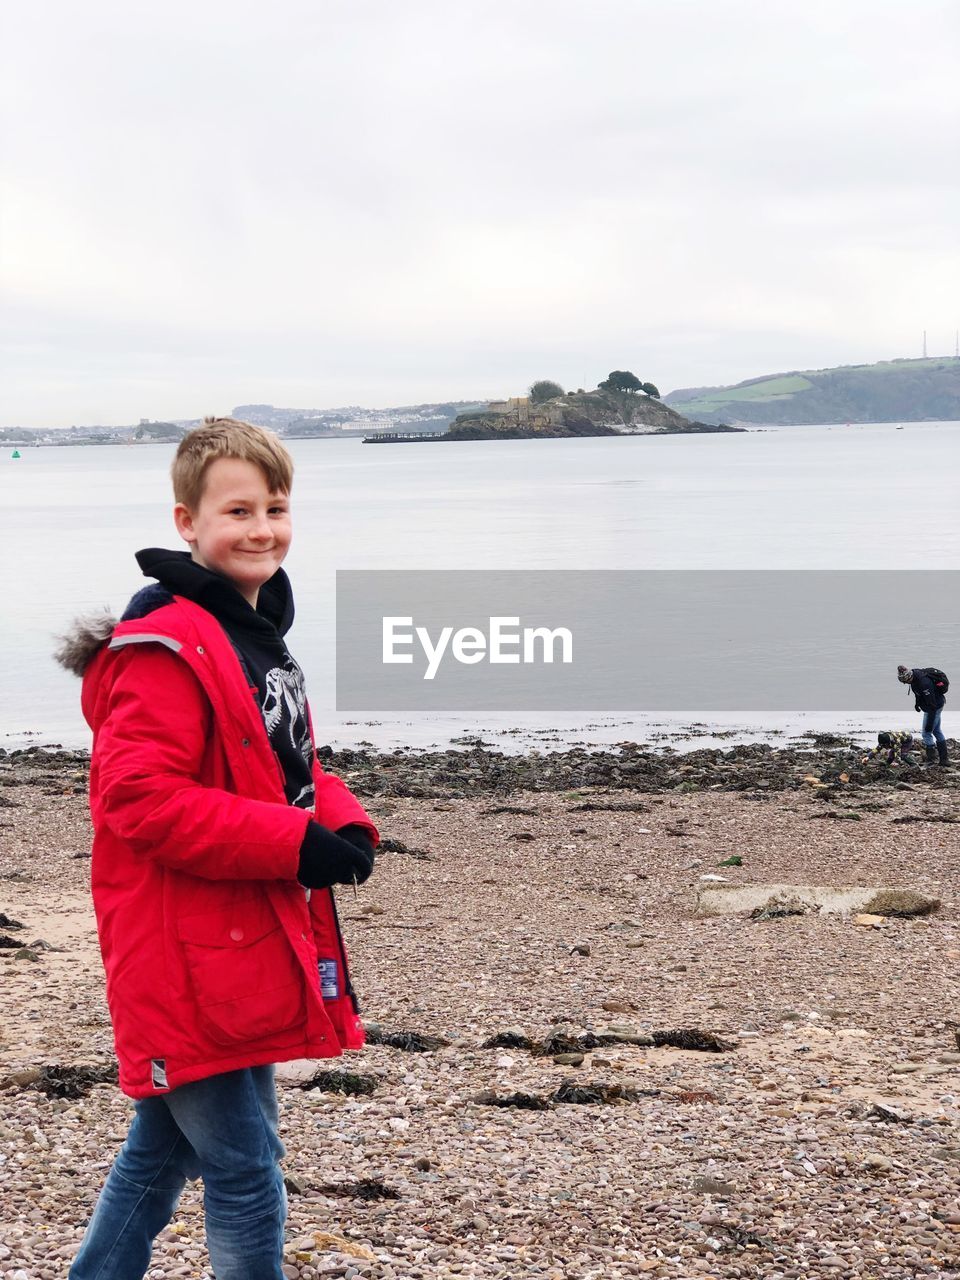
{"x":881,"y":1163}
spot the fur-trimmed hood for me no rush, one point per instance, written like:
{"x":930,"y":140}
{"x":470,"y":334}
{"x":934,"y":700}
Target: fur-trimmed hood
{"x":83,"y":640}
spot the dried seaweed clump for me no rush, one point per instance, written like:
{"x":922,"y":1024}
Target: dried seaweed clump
{"x":596,"y":1093}
{"x":73,"y":1082}
{"x":559,"y":1042}
{"x":610,"y":806}
{"x":387,"y":845}
{"x":347,"y":1082}
{"x":525,"y":1101}
{"x":508,"y":1040}
{"x":691,"y":1038}
{"x":408,"y":1041}
{"x":364,"y":1189}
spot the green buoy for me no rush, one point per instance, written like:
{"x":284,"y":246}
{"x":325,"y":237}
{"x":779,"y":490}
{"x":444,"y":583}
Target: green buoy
{"x":15,"y":454}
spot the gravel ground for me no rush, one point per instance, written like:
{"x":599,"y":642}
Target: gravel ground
{"x":824,"y":1142}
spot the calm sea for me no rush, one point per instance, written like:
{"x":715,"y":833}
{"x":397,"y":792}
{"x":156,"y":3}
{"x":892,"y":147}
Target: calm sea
{"x":787,"y":497}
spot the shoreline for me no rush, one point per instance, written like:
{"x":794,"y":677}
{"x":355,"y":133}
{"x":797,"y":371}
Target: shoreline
{"x":472,"y":768}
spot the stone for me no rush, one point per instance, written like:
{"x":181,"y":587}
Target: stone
{"x":21,"y":1079}
{"x":880,"y":1163}
{"x":568,"y":1059}
{"x":710,"y":1186}
{"x":901,"y":902}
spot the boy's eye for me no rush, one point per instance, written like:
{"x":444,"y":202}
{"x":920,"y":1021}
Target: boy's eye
{"x":238,"y":511}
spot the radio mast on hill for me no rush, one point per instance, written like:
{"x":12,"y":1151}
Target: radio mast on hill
{"x":924,"y":344}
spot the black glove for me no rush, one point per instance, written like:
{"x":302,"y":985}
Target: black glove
{"x":328,"y":857}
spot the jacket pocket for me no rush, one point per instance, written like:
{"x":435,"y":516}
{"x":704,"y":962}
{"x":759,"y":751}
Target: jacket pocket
{"x":243,"y":972}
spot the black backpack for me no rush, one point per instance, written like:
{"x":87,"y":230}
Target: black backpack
{"x":939,"y":678}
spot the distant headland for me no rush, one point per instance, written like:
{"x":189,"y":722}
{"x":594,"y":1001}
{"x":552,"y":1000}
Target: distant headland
{"x":621,"y":405}
{"x":926,"y":390}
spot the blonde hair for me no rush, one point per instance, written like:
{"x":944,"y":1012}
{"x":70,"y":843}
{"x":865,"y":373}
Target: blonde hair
{"x":228,"y":438}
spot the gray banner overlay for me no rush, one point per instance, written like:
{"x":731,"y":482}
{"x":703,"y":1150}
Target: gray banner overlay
{"x":640,"y":640}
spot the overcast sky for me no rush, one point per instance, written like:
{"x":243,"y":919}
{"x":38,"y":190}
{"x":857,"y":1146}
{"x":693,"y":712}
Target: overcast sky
{"x":324,"y":202}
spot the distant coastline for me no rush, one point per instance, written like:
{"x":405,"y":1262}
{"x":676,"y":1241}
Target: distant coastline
{"x":520,"y":433}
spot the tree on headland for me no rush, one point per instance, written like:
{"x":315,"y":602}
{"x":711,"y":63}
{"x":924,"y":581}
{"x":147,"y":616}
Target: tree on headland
{"x":621,"y":380}
{"x":625,"y":381}
{"x":544,"y":390}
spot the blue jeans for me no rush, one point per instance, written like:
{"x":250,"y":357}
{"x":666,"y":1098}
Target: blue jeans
{"x":931,"y":730}
{"x":222,"y":1129}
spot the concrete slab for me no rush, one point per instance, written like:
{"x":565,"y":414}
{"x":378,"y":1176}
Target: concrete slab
{"x":732,"y":899}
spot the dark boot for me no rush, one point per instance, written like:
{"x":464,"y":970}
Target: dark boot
{"x":942,"y":752}
{"x":931,"y":755}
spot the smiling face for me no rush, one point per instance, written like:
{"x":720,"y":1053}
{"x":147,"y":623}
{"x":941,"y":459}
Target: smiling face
{"x":239,"y":528}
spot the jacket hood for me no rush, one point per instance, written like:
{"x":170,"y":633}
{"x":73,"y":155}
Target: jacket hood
{"x":176,"y":574}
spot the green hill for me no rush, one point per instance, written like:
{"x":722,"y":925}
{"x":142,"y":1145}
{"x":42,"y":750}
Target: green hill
{"x":891,"y":391}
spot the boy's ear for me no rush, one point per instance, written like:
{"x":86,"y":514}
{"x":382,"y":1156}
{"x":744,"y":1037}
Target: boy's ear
{"x":183,"y":519}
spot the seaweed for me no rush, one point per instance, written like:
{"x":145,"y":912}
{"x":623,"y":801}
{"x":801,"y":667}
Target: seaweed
{"x":610,"y":806}
{"x":408,"y":1041}
{"x":347,"y":1082}
{"x":525,"y":1101}
{"x":388,"y":845}
{"x":691,"y":1038}
{"x":508,"y":1040}
{"x":363,"y":1189}
{"x":56,"y":1081}
{"x":558,"y":1042}
{"x":595,"y":1093}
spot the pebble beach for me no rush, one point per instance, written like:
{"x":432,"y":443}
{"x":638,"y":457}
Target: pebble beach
{"x":571,"y":1073}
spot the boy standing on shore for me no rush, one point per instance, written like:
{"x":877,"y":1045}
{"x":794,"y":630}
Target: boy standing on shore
{"x":217,"y":839}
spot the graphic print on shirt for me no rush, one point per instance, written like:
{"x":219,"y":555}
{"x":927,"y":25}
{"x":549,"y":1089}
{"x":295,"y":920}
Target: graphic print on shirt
{"x":285,"y":716}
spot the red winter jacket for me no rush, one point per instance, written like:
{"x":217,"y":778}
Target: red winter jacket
{"x":210,"y":945}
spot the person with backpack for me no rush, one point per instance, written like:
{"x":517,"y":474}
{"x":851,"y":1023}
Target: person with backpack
{"x":929,"y":686}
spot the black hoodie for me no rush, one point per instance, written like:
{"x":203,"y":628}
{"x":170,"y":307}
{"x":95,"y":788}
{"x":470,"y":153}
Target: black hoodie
{"x":275,"y":679}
